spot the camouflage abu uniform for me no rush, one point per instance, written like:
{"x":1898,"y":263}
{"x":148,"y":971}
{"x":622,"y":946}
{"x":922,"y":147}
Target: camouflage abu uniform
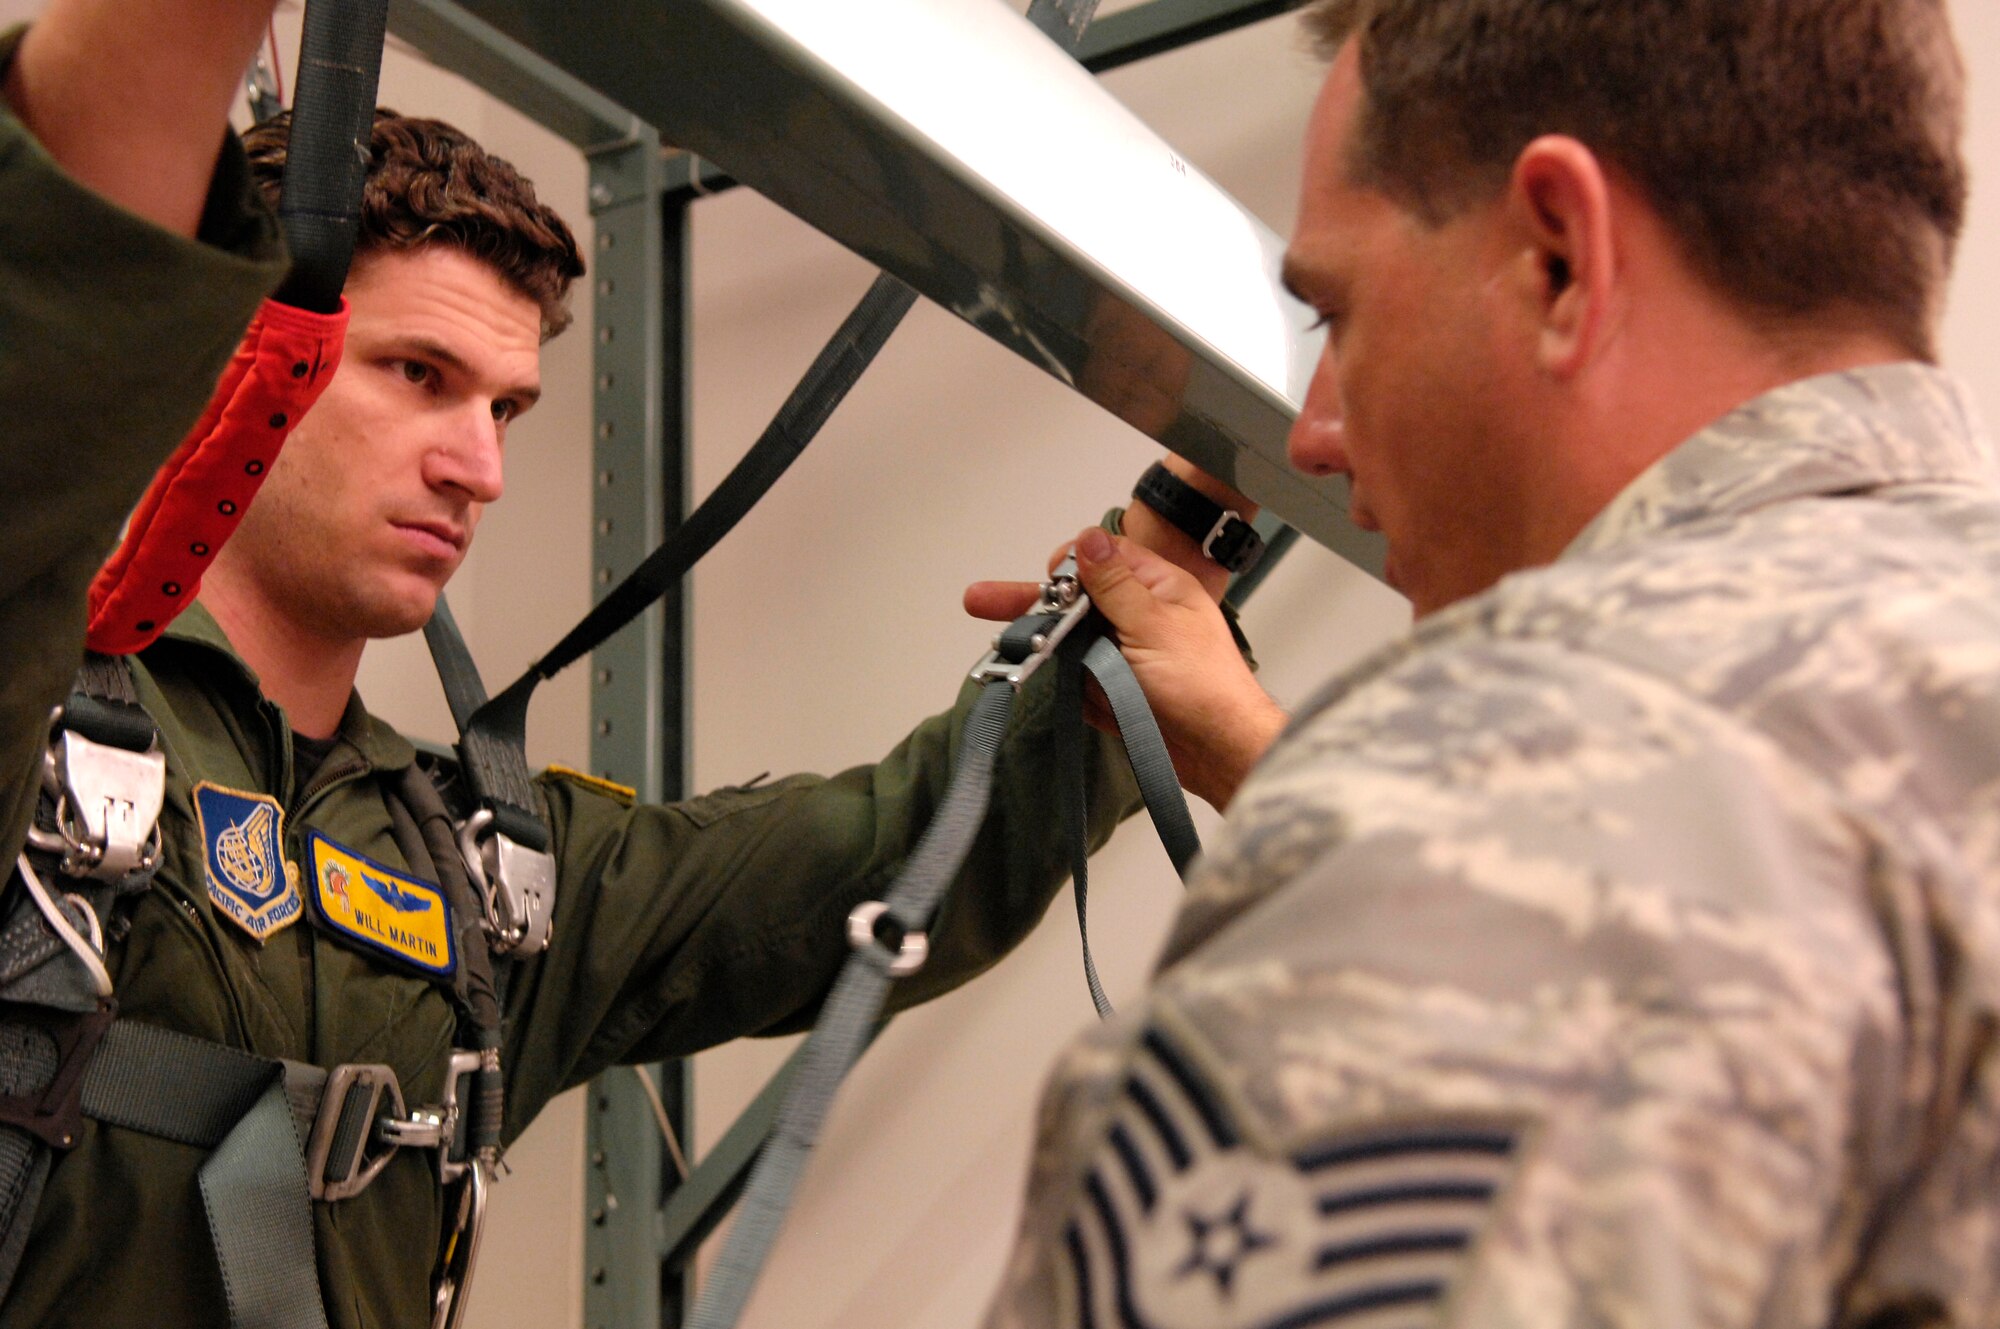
{"x":1622,"y":949}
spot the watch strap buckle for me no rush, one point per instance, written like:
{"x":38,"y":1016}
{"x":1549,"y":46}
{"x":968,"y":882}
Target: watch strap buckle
{"x":1233,"y":542}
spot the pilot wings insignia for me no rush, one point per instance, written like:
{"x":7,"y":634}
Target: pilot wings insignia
{"x":398,"y":916}
{"x":407,"y":902}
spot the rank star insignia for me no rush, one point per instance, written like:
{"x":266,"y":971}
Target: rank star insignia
{"x":1222,"y":1242}
{"x":1186,"y":1219}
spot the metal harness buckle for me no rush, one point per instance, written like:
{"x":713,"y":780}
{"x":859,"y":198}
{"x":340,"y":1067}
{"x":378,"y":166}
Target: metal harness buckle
{"x":1063,"y":604}
{"x":461,"y":1249}
{"x":355,"y":1135}
{"x":107,"y":806}
{"x":517,"y":885}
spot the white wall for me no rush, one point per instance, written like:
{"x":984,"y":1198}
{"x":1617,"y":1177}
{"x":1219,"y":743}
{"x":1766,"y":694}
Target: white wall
{"x":952,"y":461}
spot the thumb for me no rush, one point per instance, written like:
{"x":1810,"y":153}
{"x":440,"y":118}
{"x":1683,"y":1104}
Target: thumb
{"x":1128,"y":583}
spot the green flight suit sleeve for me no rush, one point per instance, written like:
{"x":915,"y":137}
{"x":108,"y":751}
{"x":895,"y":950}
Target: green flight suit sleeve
{"x":682,"y":926}
{"x":113,"y":333}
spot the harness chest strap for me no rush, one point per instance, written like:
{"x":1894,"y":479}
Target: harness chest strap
{"x":283,"y":1133}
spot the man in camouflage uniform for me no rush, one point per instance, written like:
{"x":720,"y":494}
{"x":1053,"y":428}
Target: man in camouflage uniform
{"x":1622,"y":947}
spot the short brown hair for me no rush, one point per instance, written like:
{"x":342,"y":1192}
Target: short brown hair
{"x":1804,"y":152}
{"x":430,"y":184}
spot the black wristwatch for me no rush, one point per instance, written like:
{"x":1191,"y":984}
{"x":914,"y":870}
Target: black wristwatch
{"x":1221,"y":532}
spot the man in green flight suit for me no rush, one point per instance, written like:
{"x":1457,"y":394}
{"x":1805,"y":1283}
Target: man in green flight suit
{"x":679,"y":926}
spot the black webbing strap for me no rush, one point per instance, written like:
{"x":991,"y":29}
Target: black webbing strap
{"x":326,"y":155}
{"x":104,"y":706}
{"x":493,"y":734}
{"x":421,"y":826}
{"x":29,"y":1062}
{"x":832,"y":375}
{"x":495,"y":759}
{"x":495,"y":728}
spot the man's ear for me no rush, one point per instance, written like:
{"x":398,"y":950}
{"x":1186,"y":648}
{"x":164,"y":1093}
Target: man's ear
{"x":1563,"y":203}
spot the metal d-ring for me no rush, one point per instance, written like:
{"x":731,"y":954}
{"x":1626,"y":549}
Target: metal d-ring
{"x":908,"y":957}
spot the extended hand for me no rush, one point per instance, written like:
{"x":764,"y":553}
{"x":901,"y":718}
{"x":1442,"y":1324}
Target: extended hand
{"x":1215,"y":718}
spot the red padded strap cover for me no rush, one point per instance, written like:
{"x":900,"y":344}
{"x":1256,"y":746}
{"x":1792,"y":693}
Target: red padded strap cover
{"x":285,"y":361}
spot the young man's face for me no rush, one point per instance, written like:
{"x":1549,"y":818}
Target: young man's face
{"x":1408,"y":390}
{"x":373,"y":502}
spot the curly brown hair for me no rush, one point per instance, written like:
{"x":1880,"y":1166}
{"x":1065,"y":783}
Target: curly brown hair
{"x":431,"y":184}
{"x":1805,"y":152}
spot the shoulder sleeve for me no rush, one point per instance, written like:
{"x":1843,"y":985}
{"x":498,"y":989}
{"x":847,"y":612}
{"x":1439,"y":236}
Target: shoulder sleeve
{"x":1521,"y":991}
{"x":112,"y":335}
{"x":682,"y":926}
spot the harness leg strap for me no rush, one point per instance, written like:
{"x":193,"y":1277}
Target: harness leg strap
{"x":253,"y":1187}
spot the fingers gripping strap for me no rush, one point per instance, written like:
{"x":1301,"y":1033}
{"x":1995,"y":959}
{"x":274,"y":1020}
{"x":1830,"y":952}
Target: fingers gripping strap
{"x":285,"y":361}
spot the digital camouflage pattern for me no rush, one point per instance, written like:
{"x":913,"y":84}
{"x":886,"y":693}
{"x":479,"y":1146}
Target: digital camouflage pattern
{"x":1673,"y":868}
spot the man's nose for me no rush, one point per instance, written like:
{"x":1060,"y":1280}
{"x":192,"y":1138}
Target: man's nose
{"x":470,"y":457}
{"x":1318,"y":441}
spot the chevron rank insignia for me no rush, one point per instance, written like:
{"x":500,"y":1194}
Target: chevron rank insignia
{"x":380,"y":909}
{"x":243,"y":860}
{"x":1181,"y":1224}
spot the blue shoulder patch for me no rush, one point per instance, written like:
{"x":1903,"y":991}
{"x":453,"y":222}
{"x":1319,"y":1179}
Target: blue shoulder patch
{"x":243,"y":859}
{"x":388,"y":912}
{"x":1181,"y":1223}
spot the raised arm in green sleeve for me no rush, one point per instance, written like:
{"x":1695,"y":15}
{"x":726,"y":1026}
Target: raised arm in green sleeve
{"x":691,"y":924}
{"x":112,"y":334}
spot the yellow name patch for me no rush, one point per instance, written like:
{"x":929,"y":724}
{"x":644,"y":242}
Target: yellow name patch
{"x":382,"y":909}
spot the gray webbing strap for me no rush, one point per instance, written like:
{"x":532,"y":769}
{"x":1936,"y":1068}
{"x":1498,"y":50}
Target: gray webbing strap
{"x":1152,"y":768}
{"x":260,"y":1219}
{"x":1159,"y":785}
{"x":253,"y":1185}
{"x":176,"y":1086}
{"x":1071,"y":763}
{"x":847,"y":1020}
